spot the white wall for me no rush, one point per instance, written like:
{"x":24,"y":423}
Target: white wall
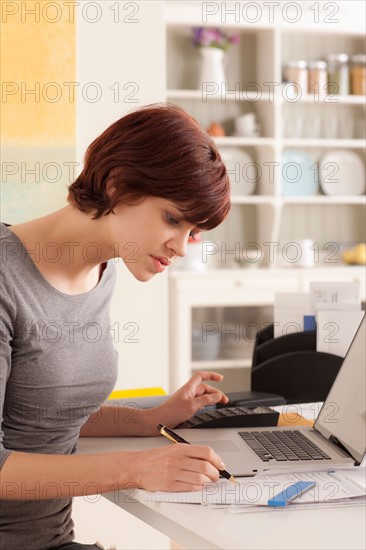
{"x":115,"y":53}
{"x":123,"y":53}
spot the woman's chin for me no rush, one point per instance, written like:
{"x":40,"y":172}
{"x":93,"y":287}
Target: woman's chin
{"x":142,"y":276}
{"x":145,"y":277}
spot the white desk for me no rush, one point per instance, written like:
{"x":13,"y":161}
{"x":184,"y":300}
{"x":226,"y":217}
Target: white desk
{"x":198,"y":527}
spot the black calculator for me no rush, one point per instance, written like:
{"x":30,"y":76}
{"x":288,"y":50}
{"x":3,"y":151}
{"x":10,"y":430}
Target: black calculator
{"x":233,"y":417}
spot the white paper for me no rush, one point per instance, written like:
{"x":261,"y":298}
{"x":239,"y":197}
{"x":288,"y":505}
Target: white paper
{"x":357,"y":474}
{"x":309,"y":411}
{"x":333,"y":292}
{"x":289,"y":311}
{"x":337,"y":306}
{"x":346,"y":502}
{"x":256,"y":491}
{"x":336,"y":330}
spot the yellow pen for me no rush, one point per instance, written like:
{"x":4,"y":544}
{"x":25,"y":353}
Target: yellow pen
{"x":172,"y":436}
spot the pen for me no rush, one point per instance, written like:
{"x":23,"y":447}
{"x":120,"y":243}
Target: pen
{"x":169,"y":434}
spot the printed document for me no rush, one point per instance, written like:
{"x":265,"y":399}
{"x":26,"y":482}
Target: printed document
{"x":331,"y":486}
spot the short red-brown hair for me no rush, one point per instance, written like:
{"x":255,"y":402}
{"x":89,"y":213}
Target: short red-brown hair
{"x":158,"y":150}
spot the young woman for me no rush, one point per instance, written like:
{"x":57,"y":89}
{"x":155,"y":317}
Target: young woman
{"x":151,"y":180}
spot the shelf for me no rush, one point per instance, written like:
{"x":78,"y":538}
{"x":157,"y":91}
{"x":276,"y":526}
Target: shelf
{"x":314,"y":199}
{"x":224,"y":95}
{"x":342,"y":199}
{"x":244,"y":141}
{"x":222,"y":364}
{"x":336,"y":143}
{"x":228,"y":95}
{"x":327,"y":100}
{"x":289,"y":142}
{"x":265,"y":273}
{"x":253,"y":199}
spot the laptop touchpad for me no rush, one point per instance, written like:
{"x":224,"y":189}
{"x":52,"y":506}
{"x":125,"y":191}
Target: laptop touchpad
{"x":219,"y":446}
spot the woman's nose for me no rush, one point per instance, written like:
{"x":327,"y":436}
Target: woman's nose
{"x":179,"y":245}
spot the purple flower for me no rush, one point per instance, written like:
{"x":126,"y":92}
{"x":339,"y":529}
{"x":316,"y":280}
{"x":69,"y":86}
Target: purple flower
{"x":213,"y":38}
{"x":197,"y":35}
{"x":218,"y":36}
{"x":235,"y":39}
{"x":208,"y":37}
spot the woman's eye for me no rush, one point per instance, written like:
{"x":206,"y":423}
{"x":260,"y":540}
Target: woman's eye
{"x":172,"y":220}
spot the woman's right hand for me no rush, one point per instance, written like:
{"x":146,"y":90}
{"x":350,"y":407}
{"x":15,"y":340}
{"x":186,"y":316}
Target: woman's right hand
{"x":176,"y":468}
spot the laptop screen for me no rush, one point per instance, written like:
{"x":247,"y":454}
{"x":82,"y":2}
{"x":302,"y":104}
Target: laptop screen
{"x":343,"y":414}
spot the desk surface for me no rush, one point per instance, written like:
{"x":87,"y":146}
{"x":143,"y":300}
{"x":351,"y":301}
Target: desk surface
{"x":200,"y":527}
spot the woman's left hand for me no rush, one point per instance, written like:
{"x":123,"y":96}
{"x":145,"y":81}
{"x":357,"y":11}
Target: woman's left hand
{"x":191,"y":397}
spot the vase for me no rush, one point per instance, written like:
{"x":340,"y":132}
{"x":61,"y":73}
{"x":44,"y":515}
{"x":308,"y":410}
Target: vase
{"x":212,"y":66}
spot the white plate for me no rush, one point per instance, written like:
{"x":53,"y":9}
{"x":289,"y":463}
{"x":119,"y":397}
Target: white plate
{"x":342,"y":173}
{"x":243,"y":171}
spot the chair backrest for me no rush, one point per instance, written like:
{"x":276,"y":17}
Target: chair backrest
{"x":290,"y":366}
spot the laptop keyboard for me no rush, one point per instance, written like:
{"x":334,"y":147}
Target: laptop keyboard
{"x":283,"y":446}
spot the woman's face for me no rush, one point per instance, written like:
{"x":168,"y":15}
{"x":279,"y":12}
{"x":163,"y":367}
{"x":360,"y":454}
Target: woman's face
{"x":149,"y":236}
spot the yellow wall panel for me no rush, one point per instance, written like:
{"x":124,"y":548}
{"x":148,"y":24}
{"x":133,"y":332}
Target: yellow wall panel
{"x":35,"y":53}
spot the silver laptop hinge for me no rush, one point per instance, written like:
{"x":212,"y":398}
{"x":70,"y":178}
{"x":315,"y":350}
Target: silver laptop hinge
{"x":336,"y":442}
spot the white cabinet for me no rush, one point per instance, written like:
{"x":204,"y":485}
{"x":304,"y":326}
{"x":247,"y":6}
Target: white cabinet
{"x":268,"y":219}
{"x":207,"y":302}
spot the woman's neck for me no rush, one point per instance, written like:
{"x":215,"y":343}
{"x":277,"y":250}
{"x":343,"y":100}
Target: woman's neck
{"x":68,"y":247}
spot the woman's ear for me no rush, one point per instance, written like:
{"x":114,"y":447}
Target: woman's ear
{"x":113,"y":178}
{"x":116,"y":190}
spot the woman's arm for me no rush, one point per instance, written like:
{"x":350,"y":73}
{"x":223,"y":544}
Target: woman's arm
{"x":27,"y":476}
{"x":121,"y":420}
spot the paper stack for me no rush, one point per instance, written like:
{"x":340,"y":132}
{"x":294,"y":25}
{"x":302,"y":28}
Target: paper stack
{"x":333,"y":309}
{"x":332,"y":488}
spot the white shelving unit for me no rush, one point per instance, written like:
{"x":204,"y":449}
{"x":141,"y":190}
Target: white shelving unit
{"x":267,"y":216}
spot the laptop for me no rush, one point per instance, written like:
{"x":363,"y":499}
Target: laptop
{"x":338,"y":437}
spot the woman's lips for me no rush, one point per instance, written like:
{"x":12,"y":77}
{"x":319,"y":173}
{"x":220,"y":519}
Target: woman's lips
{"x":159,"y":263}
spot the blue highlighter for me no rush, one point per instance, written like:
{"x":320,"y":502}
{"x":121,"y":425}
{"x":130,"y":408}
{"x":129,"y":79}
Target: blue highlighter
{"x":291,"y":492}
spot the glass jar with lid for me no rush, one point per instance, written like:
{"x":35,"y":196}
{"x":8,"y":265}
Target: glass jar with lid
{"x":317,"y":78}
{"x":358,"y":74}
{"x":338,"y":74}
{"x":297,"y":73}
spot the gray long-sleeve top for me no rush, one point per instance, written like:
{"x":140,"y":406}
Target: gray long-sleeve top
{"x":58,"y":364}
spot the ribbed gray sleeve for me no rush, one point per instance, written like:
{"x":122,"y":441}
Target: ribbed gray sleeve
{"x":7,"y":322}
